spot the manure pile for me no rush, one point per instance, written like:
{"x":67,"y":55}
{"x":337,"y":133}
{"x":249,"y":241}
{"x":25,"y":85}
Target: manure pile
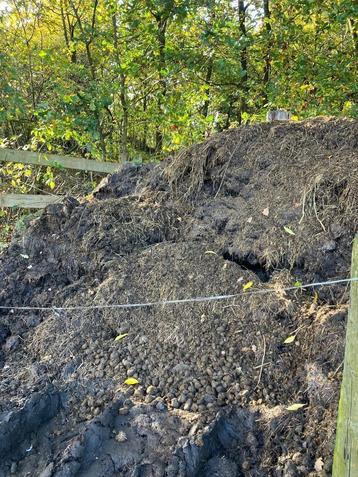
{"x":272,"y":204}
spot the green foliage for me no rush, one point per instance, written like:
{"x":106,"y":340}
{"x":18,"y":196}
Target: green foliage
{"x":139,"y":79}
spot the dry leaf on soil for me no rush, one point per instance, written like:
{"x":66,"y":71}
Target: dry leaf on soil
{"x":120,"y":337}
{"x":319,"y":465}
{"x":289,"y":231}
{"x":290,"y":339}
{"x":295,"y":407}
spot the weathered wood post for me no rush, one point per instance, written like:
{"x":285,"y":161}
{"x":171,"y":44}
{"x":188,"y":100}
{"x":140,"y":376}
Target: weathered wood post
{"x":345,"y":463}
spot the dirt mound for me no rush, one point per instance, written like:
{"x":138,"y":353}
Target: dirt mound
{"x":270,"y":204}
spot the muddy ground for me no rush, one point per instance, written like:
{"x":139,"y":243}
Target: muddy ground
{"x":272,"y":204}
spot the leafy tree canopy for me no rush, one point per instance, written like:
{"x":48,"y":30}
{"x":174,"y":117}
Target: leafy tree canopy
{"x":129,"y":79}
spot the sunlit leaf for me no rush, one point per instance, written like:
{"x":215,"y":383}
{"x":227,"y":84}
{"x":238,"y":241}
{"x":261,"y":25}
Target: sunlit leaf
{"x":247,"y":285}
{"x":295,"y":407}
{"x":290,"y":339}
{"x":131,"y":381}
{"x":289,"y":231}
{"x":120,"y":337}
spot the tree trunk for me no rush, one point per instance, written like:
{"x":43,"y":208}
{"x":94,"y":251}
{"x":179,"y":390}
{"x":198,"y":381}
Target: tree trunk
{"x":122,"y":95}
{"x":209,"y":73}
{"x":161,"y":32}
{"x":72,"y":39}
{"x":267,"y":67}
{"x":68,"y":31}
{"x":125,"y":121}
{"x":243,"y":60}
{"x":353,"y":29}
{"x":228,"y":116}
{"x":88,"y":41}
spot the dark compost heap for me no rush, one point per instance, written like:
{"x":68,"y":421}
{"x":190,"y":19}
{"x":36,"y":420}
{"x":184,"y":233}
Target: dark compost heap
{"x":271,"y":204}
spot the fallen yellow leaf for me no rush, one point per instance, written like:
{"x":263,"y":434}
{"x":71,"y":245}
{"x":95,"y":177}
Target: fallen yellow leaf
{"x":290,"y":339}
{"x":120,"y":337}
{"x":247,"y":285}
{"x":295,"y":407}
{"x":131,"y":381}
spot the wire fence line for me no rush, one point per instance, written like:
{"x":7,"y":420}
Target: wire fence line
{"x":178,"y":301}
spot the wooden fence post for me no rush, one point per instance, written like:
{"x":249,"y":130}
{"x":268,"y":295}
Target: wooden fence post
{"x":345,"y":463}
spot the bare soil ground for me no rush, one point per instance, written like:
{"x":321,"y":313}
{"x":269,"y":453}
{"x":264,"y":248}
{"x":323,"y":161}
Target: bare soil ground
{"x":271,"y":204}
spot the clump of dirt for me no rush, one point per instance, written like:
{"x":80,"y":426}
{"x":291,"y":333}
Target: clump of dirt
{"x":264,"y":205}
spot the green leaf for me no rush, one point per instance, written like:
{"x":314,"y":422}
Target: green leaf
{"x":289,"y":231}
{"x":297,"y":284}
